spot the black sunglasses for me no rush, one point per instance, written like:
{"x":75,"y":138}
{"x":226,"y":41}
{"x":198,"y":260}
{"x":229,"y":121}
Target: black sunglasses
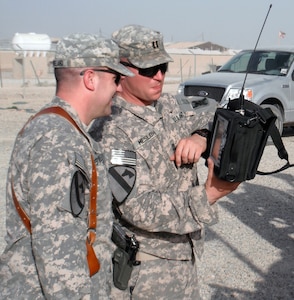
{"x":148,"y":72}
{"x":117,"y":75}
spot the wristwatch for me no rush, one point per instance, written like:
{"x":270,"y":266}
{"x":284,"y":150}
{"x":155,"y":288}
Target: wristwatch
{"x":202,"y":132}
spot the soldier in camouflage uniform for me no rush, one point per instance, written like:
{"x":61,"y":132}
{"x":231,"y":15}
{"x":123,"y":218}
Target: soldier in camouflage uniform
{"x":153,"y":143}
{"x":50,"y":171}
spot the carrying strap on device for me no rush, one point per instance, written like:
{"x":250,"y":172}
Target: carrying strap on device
{"x":93,"y":262}
{"x":282,"y":152}
{"x":266,"y":114}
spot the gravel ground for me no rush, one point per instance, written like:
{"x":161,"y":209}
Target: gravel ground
{"x":249,"y":254}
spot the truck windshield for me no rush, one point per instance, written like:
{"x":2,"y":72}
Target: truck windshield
{"x":262,"y":62}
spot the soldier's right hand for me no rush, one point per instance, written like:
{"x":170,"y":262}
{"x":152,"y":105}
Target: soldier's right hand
{"x":217,"y":188}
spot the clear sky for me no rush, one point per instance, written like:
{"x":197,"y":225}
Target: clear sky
{"x":230,"y":23}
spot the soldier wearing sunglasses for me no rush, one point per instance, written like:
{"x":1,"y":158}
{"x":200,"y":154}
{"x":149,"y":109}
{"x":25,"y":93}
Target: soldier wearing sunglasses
{"x":152,"y":147}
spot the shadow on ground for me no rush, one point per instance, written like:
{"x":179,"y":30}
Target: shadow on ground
{"x":269,"y":212}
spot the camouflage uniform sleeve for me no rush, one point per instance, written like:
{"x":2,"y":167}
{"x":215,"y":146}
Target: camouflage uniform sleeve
{"x":58,"y":239}
{"x":194,"y":118}
{"x":200,"y":207}
{"x":161,"y":202}
{"x":156,"y":211}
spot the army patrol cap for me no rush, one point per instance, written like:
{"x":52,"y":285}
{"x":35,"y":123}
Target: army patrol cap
{"x":142,"y":46}
{"x":88,"y":50}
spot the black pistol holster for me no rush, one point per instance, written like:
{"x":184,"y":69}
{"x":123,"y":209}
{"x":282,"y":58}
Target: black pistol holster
{"x":124,"y":257}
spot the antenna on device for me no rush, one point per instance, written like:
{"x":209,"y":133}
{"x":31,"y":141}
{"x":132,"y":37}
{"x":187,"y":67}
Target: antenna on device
{"x":243,"y":86}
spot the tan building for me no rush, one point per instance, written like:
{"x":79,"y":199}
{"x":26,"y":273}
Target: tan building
{"x":195,"y":58}
{"x":35,"y":67}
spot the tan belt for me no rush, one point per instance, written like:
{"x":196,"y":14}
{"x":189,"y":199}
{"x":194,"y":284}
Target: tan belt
{"x":141,"y":256}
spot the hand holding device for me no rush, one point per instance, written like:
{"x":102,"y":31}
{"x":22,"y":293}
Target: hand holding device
{"x":217,"y":188}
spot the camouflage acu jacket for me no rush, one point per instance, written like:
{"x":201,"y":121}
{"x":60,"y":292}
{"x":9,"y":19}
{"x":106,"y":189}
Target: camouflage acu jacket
{"x":165,"y":208}
{"x":51,"y":263}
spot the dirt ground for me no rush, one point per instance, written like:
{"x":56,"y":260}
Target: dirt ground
{"x":17,"y":104}
{"x":249,"y":254}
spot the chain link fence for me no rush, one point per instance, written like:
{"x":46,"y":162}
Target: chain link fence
{"x":34,"y":68}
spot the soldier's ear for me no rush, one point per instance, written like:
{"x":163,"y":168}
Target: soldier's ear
{"x":89,"y":78}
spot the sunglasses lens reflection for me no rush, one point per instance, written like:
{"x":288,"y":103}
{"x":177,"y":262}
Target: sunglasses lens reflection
{"x":148,"y":72}
{"x":152,"y":71}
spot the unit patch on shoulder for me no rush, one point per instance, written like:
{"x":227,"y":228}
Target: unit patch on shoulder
{"x":122,"y":180}
{"x":77,"y":193}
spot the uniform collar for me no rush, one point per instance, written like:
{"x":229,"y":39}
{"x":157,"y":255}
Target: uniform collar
{"x":149,"y":114}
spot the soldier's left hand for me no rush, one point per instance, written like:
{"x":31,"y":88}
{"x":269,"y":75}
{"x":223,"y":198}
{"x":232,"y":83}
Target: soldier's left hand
{"x":189,"y":150}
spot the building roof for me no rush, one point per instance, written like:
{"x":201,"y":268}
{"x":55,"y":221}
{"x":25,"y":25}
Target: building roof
{"x":196,"y":45}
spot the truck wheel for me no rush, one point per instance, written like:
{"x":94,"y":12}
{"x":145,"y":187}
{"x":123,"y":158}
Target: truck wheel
{"x":277,"y":111}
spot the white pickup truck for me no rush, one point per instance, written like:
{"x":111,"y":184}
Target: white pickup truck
{"x":270,"y":81}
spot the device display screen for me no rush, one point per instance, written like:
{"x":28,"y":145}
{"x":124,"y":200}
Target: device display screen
{"x":219,"y":139}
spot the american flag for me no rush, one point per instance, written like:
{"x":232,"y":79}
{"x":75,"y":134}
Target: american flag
{"x":282,"y":34}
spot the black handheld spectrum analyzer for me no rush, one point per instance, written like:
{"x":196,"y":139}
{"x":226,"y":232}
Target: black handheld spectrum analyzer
{"x":239,"y":135}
